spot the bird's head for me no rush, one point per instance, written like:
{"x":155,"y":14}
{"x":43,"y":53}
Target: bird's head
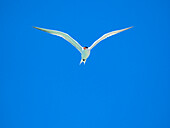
{"x":85,"y":48}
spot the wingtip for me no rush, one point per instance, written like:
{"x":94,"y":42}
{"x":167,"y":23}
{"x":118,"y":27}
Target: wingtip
{"x":35,"y":27}
{"x":130,"y":27}
{"x":42,"y":29}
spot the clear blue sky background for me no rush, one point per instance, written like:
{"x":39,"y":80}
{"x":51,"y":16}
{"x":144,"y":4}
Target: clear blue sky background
{"x":124,"y":84}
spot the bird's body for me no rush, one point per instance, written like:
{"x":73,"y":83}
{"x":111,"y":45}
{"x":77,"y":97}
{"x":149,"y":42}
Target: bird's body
{"x":85,"y":54}
{"x":85,"y":51}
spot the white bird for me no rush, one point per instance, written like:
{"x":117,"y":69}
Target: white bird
{"x":85,"y":51}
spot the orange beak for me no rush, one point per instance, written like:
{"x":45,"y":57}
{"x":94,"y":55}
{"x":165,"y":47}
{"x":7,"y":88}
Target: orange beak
{"x":84,"y":48}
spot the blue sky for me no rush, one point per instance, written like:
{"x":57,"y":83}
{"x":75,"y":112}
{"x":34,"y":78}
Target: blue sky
{"x":124,"y":84}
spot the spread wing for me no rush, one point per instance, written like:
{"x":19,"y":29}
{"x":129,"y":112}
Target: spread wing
{"x":63,"y":35}
{"x":106,"y":36}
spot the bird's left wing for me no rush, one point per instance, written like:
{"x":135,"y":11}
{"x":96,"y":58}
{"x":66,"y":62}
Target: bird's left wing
{"x":63,"y":35}
{"x":106,"y":36}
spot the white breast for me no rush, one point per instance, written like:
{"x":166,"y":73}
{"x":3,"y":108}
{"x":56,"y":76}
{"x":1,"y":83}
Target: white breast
{"x":85,"y":54}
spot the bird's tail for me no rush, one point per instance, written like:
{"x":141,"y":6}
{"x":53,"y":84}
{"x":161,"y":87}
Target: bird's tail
{"x":81,"y":61}
{"x":84,"y":61}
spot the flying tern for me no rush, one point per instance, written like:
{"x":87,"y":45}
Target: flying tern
{"x":85,"y":51}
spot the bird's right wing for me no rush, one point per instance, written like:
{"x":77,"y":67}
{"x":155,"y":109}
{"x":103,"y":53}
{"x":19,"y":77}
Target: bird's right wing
{"x":63,"y":35}
{"x":106,"y":36}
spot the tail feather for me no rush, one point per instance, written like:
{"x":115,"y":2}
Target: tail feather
{"x":81,"y":61}
{"x":84,"y":61}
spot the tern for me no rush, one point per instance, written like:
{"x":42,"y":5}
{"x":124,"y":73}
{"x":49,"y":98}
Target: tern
{"x":85,"y":51}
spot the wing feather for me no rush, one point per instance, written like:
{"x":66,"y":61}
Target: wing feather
{"x":63,"y":35}
{"x":107,"y":35}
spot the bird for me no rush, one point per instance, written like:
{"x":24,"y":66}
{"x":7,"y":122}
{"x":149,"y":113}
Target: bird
{"x":85,"y":51}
